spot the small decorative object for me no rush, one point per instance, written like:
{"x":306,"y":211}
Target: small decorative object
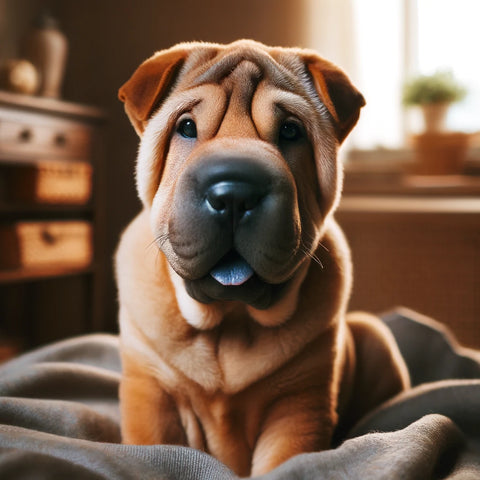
{"x":19,"y":76}
{"x":434,"y":94}
{"x":47,"y":47}
{"x":437,"y":151}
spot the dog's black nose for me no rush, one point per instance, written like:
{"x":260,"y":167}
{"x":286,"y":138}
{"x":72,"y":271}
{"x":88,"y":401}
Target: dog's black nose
{"x":232,"y":187}
{"x":233,"y":198}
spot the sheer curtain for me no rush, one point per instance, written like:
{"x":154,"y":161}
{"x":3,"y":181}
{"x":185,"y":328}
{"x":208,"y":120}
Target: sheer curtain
{"x":331,"y":31}
{"x":364,"y":37}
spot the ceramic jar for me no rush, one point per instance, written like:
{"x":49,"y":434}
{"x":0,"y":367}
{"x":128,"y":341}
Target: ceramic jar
{"x":47,"y":48}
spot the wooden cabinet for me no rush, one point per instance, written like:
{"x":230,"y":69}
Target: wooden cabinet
{"x":51,"y":220}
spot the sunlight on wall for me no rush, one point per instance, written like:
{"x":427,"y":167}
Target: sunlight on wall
{"x":379,"y":44}
{"x":364,"y":38}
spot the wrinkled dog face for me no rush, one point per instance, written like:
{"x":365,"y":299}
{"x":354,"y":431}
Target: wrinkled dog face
{"x":240,"y":177}
{"x":238,"y":168}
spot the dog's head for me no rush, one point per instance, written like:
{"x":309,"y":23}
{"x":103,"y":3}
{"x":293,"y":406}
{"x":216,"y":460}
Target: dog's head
{"x":237,"y":162}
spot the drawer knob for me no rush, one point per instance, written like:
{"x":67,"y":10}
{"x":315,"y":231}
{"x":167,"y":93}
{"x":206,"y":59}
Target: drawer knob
{"x":60,"y":140}
{"x":47,"y":237}
{"x":25,"y":135}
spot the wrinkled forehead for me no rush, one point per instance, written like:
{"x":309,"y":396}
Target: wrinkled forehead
{"x":286,"y":72}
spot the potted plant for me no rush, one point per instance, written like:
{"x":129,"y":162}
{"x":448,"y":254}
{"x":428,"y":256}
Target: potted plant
{"x":433,"y":94}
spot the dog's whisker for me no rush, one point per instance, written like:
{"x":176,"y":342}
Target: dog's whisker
{"x":158,"y":241}
{"x":310,"y":238}
{"x":157,"y":258}
{"x":317,"y":260}
{"x":320,"y":244}
{"x":312,"y":256}
{"x":151,"y":244}
{"x":154,"y":243}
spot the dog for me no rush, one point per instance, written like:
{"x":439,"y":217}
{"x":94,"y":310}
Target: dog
{"x":234,"y":279}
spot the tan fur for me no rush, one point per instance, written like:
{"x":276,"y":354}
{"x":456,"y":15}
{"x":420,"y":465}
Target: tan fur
{"x":251,"y":386}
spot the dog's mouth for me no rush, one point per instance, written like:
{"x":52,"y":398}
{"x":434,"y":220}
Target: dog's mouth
{"x":232,"y":270}
{"x":234,"y":279}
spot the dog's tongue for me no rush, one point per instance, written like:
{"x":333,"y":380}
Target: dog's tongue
{"x":233,"y":270}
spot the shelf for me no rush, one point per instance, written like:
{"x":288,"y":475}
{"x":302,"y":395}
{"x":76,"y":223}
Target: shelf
{"x":401,"y":184}
{"x":413,"y":205}
{"x":24,"y":209}
{"x":41,"y":273}
{"x":39,"y":135}
{"x":50,"y":105}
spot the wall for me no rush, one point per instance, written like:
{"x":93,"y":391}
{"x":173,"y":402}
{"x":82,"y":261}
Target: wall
{"x":15,"y":18}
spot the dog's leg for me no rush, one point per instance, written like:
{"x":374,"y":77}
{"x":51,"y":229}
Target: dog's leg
{"x":149,"y":414}
{"x":295,"y":425}
{"x":380,"y":371}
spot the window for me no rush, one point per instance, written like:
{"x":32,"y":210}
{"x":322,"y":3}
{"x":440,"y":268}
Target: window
{"x":448,"y":37}
{"x":385,"y":42}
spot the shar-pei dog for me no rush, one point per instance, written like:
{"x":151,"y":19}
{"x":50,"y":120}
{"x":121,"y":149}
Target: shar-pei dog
{"x":234,"y":279}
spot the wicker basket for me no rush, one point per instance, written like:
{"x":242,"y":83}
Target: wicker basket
{"x":45,"y":244}
{"x":66,"y":183}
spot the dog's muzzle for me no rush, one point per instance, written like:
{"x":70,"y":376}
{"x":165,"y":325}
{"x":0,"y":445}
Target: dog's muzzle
{"x":241,"y":219}
{"x":234,"y":192}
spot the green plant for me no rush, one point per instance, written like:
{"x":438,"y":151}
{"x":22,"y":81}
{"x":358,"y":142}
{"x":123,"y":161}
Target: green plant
{"x":441,"y":87}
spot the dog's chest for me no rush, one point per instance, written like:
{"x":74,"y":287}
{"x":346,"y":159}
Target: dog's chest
{"x":222,"y":425}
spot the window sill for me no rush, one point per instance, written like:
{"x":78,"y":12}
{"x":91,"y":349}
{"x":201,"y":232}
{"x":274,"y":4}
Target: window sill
{"x":389,"y":172}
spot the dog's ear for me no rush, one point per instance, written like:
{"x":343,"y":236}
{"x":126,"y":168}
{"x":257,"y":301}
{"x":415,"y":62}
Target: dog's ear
{"x":337,"y":93}
{"x":149,"y":84}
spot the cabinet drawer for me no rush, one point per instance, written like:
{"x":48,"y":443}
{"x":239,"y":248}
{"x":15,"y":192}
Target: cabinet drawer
{"x":46,"y":244}
{"x":48,"y":138}
{"x":48,"y":182}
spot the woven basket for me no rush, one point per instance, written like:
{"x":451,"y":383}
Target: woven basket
{"x":44,"y":244}
{"x":66,"y":183}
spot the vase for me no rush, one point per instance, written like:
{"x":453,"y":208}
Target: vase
{"x":434,"y":116}
{"x":47,"y":48}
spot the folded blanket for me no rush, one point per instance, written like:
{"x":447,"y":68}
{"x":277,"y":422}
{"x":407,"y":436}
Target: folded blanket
{"x":59,"y":418}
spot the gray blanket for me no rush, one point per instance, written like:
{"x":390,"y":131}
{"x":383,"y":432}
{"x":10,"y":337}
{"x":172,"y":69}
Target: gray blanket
{"x":59,"y":418}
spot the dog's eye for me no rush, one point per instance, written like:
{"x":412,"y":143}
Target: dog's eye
{"x":187,"y":128}
{"x":290,"y":131}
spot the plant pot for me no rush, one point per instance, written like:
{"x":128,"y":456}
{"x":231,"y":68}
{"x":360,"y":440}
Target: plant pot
{"x":440,"y":153}
{"x":434,"y":116}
